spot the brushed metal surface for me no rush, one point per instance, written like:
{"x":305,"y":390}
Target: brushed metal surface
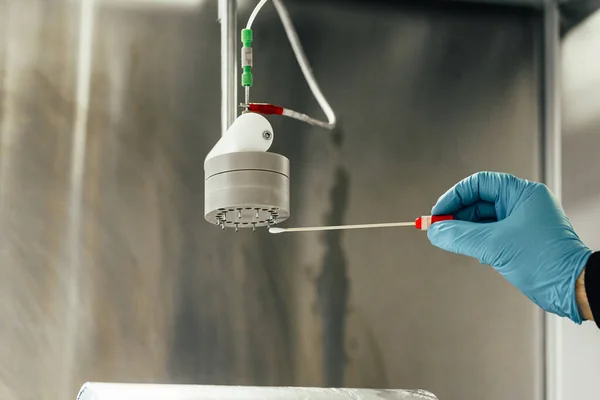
{"x":110,"y":273}
{"x":581,"y":175}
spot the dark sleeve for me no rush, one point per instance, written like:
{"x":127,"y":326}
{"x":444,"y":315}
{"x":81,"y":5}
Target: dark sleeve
{"x":592,"y":285}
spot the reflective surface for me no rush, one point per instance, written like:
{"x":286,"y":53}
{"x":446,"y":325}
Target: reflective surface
{"x":124,"y":391}
{"x":110,"y":273}
{"x":581,"y":175}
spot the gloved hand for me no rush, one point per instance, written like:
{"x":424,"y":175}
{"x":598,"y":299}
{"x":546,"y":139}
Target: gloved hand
{"x":519,"y":228}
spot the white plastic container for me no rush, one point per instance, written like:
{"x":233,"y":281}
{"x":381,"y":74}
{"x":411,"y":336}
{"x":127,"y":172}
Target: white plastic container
{"x":126,"y":391}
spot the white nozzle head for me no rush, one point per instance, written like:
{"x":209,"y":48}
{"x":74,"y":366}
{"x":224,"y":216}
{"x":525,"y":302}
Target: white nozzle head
{"x":249,"y":132}
{"x":276,"y":230}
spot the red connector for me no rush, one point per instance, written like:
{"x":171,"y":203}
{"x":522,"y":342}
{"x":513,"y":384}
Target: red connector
{"x":265,"y":108}
{"x":272,"y":109}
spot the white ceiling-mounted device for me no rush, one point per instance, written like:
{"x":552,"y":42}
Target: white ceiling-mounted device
{"x":245,"y":186}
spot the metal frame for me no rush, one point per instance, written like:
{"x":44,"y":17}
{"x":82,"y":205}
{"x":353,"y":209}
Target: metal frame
{"x":552,"y":176}
{"x":229,"y":72}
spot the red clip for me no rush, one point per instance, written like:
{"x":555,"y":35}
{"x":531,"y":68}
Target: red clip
{"x":265,"y":108}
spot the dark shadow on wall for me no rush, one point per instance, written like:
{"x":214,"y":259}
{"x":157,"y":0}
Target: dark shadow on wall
{"x":333,"y":285}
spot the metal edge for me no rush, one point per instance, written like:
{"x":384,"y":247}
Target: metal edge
{"x":229,"y":35}
{"x":552,"y":177}
{"x":264,"y":161}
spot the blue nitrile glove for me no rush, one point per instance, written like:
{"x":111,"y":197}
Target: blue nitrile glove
{"x":519,"y":228}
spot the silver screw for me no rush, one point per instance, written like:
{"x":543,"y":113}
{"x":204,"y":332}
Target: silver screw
{"x":266,"y":135}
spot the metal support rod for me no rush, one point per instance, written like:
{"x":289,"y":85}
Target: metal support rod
{"x":552,"y":175}
{"x":229,"y":71}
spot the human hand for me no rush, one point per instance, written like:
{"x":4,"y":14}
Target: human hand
{"x":519,"y":228}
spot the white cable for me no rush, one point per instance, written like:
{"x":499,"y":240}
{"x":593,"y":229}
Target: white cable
{"x":305,"y":118}
{"x":290,"y":31}
{"x":260,"y":4}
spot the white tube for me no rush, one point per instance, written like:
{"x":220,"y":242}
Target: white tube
{"x":290,"y":31}
{"x":292,"y":36}
{"x":128,"y":391}
{"x":260,"y":4}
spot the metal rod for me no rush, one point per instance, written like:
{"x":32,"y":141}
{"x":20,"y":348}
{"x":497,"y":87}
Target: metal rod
{"x":340,"y":227}
{"x":229,"y":71}
{"x":551,"y":141}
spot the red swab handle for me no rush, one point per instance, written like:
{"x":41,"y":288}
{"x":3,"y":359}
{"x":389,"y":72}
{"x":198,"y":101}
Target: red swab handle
{"x":423,"y":223}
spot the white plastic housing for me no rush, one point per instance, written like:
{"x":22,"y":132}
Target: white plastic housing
{"x":249,"y":132}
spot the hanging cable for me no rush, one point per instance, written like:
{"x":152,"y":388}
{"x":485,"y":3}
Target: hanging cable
{"x":290,"y":31}
{"x":272,"y":109}
{"x":260,"y":5}
{"x":292,"y":36}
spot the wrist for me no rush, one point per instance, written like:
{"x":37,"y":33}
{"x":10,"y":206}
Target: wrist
{"x":582,"y":299}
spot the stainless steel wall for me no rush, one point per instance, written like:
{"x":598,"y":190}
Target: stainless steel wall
{"x":109,"y":272}
{"x":581,"y":176}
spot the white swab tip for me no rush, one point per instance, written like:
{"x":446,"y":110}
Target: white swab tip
{"x":276,"y":230}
